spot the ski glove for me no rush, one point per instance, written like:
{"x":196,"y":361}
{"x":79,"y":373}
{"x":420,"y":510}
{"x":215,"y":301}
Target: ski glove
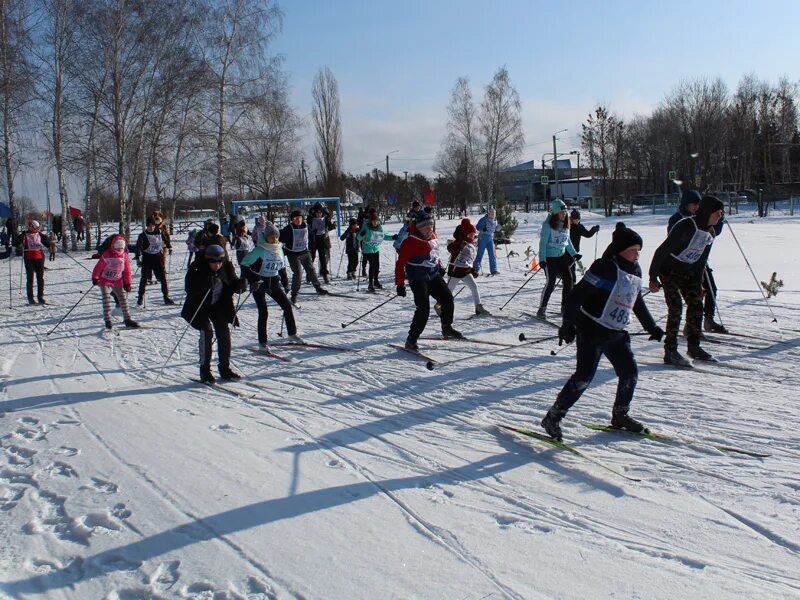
{"x":401,"y":291}
{"x":566,"y":333}
{"x":95,"y":282}
{"x":241,"y":285}
{"x":127,"y":287}
{"x":596,"y":228}
{"x":656,"y":333}
{"x":577,"y":257}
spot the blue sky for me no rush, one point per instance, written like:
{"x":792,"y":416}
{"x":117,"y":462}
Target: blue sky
{"x":396,"y":62}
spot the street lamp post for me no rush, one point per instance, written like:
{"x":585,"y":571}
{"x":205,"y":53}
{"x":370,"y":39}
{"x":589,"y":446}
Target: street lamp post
{"x":387,"y":161}
{"x":555,"y":161}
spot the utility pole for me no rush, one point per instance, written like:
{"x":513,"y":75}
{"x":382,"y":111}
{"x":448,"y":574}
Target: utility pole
{"x":387,"y":168}
{"x":555,"y":166}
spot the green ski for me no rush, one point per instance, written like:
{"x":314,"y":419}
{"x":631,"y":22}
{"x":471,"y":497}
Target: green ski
{"x":680,"y":440}
{"x":546,"y":439}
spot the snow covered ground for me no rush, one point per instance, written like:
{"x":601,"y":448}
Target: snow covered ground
{"x":362,"y":475}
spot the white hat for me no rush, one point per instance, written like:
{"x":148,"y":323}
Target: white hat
{"x":34,"y":224}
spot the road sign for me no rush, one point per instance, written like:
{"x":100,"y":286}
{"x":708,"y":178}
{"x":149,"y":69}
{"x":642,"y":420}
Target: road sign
{"x":545,"y":180}
{"x":673,"y":175}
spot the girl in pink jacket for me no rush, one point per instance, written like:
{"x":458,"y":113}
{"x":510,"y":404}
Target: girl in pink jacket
{"x":112,"y":274}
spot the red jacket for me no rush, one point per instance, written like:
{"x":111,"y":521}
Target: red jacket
{"x":418,"y":260}
{"x":33,"y":243}
{"x":113,"y":269}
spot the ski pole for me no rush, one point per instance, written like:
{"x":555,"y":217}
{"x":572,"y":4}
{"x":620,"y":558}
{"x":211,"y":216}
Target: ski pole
{"x":203,"y":301}
{"x":595,"y":246}
{"x":283,"y":320}
{"x":70,"y":310}
{"x":520,"y":289}
{"x":508,"y":258}
{"x":20,"y":273}
{"x":369,"y":311}
{"x":430,"y":364}
{"x":710,"y":290}
{"x":774,"y":318}
{"x":10,"y":300}
{"x":339,"y":270}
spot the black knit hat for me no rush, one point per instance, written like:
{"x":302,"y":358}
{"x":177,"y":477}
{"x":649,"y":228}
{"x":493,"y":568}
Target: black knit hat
{"x":575,"y":214}
{"x":708,"y":205}
{"x":622,"y":239}
{"x":295,"y":213}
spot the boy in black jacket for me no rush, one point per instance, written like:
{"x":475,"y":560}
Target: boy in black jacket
{"x":577,"y":231}
{"x":210,"y":286}
{"x":149,"y":254}
{"x":598,"y":312}
{"x":295,"y":238}
{"x":677,"y":267}
{"x":351,"y":247}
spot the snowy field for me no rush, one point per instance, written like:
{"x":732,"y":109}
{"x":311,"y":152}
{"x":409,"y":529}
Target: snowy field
{"x":362,"y":475}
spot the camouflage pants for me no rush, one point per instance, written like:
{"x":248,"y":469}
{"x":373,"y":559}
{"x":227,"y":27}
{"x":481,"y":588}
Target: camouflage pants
{"x":689,"y":287}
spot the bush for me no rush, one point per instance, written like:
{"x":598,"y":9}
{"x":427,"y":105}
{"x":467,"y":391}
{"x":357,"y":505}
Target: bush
{"x":506,"y":222}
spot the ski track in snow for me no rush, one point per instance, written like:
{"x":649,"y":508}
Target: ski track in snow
{"x":377,"y":440}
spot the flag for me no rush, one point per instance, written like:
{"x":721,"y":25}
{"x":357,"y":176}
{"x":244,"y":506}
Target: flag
{"x":429,"y":196}
{"x":74,"y":212}
{"x":391,"y":199}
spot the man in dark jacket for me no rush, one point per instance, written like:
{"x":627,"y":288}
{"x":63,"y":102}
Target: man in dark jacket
{"x":148,"y":253}
{"x":320,"y":223}
{"x":294,"y":236}
{"x":210,"y":286}
{"x":576,"y":231}
{"x":690,"y":202}
{"x":677,"y":267}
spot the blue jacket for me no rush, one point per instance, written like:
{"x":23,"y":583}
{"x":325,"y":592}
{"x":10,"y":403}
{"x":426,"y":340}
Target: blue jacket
{"x":547,"y":246}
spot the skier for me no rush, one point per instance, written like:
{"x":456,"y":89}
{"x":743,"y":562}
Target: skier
{"x":371,"y":236}
{"x":486,"y":227}
{"x":690,"y":202}
{"x":210,"y":285}
{"x":556,"y":255}
{"x":462,"y":260}
{"x":598,"y":312}
{"x":191,"y":249}
{"x":294,"y":237}
{"x":419,"y":262}
{"x":33,"y":243}
{"x":210,"y":236}
{"x":262,"y":267}
{"x":351,"y":246}
{"x":320,"y":223}
{"x":112,"y":274}
{"x":258,"y":228}
{"x":242,"y":243}
{"x":148,"y":253}
{"x":53,"y":247}
{"x":576,"y":232}
{"x":677,"y":266}
{"x":161,"y":226}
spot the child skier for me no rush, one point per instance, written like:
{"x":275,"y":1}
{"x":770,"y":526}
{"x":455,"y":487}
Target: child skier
{"x":486,"y":227}
{"x":33,"y":243}
{"x":371,"y":236}
{"x":262,"y":268}
{"x":351,"y":246}
{"x":462,"y":260}
{"x":295,"y":237}
{"x":53,"y":247}
{"x":677,"y":266}
{"x":210,"y":285}
{"x":556,"y":255}
{"x":149,"y":253}
{"x":419,"y":262}
{"x":320,"y":223}
{"x":112,"y":274}
{"x":242,"y":243}
{"x":598,"y":312}
{"x":576,"y":231}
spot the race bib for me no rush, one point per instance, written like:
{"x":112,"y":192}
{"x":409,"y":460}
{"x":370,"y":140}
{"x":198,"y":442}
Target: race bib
{"x":272,"y":262}
{"x":558,"y":239}
{"x":619,"y":306}
{"x":300,"y":240}
{"x":113,"y":269}
{"x":466,"y":258}
{"x":373,"y":244}
{"x":155,"y":243}
{"x":692,"y":253}
{"x":33,"y":241}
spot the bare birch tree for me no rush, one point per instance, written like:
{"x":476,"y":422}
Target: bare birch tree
{"x":328,"y":129}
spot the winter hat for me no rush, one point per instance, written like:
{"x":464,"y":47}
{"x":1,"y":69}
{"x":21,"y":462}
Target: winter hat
{"x":467,"y":228}
{"x":557,"y":206}
{"x":207,"y":223}
{"x":34,"y":225}
{"x":270,"y":229}
{"x":690,"y":197}
{"x":423,"y":219}
{"x":622,"y":239}
{"x":118,"y":244}
{"x":575,"y":214}
{"x":295,"y":213}
{"x":151,"y":221}
{"x":708,"y":205}
{"x":213,"y":228}
{"x":215,"y":253}
{"x":353,"y":222}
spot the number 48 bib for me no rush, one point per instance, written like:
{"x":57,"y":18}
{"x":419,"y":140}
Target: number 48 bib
{"x":619,"y":306}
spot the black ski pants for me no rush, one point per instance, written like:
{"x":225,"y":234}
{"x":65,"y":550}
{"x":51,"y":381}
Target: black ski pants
{"x":272,"y":286}
{"x":554,"y":268}
{"x":34,"y":266}
{"x":320,"y":247}
{"x":215,"y":323}
{"x":423,"y":290}
{"x":151,"y":266}
{"x":374,"y":262}
{"x":617,"y":348}
{"x":352,"y":262}
{"x":710,"y":289}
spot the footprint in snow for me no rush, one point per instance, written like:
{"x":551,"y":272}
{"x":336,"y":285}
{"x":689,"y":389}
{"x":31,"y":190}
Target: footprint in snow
{"x":136,"y":594}
{"x":226,"y":428}
{"x":66,"y":422}
{"x":101,"y":485}
{"x":62,"y":469}
{"x":121,"y":511}
{"x":29,"y":421}
{"x":185,"y":411}
{"x":116,"y":562}
{"x":166,"y":575}
{"x":10,"y":497}
{"x":67,"y":451}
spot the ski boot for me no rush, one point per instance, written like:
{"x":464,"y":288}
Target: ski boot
{"x":674,"y":358}
{"x":697,"y":353}
{"x":552,"y":425}
{"x":411,"y":344}
{"x":168,"y":300}
{"x":205,"y":374}
{"x":326,"y":279}
{"x":321,"y":291}
{"x":449,"y":333}
{"x":370,"y":288}
{"x":712,"y":326}
{"x":293,"y":299}
{"x":226,"y":373}
{"x":295,"y":339}
{"x":541,"y":313}
{"x":108,"y":324}
{"x":42,"y":300}
{"x":621,"y":420}
{"x":140,"y":301}
{"x":131,"y":324}
{"x":378,"y":285}
{"x":31,"y":300}
{"x":479,"y":310}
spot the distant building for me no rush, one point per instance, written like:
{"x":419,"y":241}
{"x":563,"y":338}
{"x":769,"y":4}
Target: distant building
{"x":522,"y":183}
